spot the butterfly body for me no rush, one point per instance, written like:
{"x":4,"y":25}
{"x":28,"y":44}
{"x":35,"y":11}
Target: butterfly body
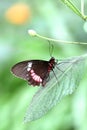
{"x":36,"y":72}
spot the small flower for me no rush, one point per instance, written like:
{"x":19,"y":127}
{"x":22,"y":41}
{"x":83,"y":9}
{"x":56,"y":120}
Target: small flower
{"x":32,"y":33}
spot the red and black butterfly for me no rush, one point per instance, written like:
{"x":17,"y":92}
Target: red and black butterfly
{"x":36,"y":72}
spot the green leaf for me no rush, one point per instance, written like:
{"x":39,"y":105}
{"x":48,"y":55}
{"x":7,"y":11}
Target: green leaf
{"x":65,"y":79}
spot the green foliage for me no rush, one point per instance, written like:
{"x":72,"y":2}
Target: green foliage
{"x":52,"y":19}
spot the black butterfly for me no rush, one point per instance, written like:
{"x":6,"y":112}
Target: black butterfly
{"x":36,"y":72}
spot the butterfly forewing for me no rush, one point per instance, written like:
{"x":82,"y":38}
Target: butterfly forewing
{"x":20,"y":69}
{"x":39,"y":68}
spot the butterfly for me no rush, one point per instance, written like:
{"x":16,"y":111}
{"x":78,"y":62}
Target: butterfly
{"x":36,"y":72}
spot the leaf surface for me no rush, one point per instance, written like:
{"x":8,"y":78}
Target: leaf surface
{"x":64,"y":79}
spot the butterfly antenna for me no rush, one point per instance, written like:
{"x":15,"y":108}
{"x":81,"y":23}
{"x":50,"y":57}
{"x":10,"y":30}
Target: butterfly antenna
{"x":51,"y":47}
{"x":56,"y":78}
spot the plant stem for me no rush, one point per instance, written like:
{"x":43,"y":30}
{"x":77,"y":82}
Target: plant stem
{"x":34,"y":34}
{"x":60,"y":41}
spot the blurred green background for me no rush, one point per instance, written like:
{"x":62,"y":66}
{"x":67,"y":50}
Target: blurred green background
{"x":52,"y":19}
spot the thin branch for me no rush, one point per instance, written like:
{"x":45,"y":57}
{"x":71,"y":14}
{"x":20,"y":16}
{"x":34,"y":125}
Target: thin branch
{"x":33,"y":33}
{"x":82,"y":7}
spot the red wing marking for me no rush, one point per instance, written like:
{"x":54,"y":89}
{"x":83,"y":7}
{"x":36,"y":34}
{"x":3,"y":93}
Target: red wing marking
{"x":35,"y":77}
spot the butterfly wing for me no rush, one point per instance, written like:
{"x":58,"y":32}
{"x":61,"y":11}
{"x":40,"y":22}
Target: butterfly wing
{"x":43,"y":72}
{"x":23,"y":69}
{"x":20,"y":69}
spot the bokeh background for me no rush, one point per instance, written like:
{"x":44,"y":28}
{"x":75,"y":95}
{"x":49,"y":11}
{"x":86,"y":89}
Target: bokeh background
{"x":52,"y":19}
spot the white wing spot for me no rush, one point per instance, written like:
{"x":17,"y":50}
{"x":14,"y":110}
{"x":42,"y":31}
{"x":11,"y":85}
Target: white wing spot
{"x":29,"y":66}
